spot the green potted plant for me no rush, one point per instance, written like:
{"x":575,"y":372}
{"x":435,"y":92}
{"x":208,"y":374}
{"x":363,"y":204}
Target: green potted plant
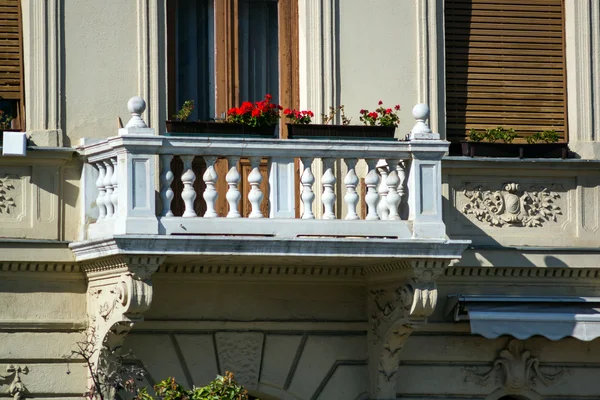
{"x":498,"y":142}
{"x":5,"y":123}
{"x":377,"y":125}
{"x":256,"y":119}
{"x":223,"y":387}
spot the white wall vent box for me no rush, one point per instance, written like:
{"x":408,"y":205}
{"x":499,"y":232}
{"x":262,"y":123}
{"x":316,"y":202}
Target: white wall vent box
{"x":14,"y":143}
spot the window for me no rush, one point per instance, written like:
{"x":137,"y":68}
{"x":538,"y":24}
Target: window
{"x":11,"y":64}
{"x":223,"y":52}
{"x":505,"y":66}
{"x":227,"y":51}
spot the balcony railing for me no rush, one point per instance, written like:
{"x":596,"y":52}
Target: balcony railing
{"x":401,"y":197}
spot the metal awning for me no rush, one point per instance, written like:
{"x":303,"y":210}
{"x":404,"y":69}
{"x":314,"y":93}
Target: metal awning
{"x":522,"y":317}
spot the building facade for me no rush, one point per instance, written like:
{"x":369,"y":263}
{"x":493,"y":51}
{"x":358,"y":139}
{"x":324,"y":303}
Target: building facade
{"x":354,"y":269}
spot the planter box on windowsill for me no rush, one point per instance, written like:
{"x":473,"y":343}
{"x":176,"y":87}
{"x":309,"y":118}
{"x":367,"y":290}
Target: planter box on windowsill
{"x":343,"y":132}
{"x":201,"y":128}
{"x":520,"y":150}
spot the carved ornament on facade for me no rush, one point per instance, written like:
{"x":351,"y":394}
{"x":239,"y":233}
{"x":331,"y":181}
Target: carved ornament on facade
{"x":514,"y":370}
{"x":7,"y":203}
{"x":119,"y":293}
{"x":393,"y":314}
{"x":512,"y":205}
{"x":16,"y":388}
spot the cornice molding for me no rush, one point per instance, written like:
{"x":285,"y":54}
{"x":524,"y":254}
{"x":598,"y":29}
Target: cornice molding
{"x":271,"y":271}
{"x":40,"y":267}
{"x":522,"y":273}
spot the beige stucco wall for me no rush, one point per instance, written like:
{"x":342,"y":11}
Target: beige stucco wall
{"x":101,"y":67}
{"x":42,"y":316}
{"x":378,"y":57}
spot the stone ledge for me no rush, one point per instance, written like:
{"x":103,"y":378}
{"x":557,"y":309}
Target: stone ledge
{"x":224,"y":250}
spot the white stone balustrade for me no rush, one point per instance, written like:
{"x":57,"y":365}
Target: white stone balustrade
{"x":402,"y":200}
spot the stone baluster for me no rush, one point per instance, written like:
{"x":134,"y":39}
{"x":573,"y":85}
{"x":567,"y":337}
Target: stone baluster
{"x":188,"y":194}
{"x":233,"y":195}
{"x":393,"y":198}
{"x":382,"y":206}
{"x":166,"y":178}
{"x":109,"y":189}
{"x":255,"y":195}
{"x":328,"y":181}
{"x":351,"y":181}
{"x":210,"y":193}
{"x":114,"y":198}
{"x":372,"y":197}
{"x":308,"y":196}
{"x":101,"y":190}
{"x":403,"y":171}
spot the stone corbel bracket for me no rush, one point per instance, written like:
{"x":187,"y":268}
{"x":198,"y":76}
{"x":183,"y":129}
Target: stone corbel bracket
{"x":400,"y":297}
{"x":119,"y":293}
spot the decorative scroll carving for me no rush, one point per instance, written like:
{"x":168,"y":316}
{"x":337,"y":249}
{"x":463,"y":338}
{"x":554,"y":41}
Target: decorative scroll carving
{"x":16,"y":389}
{"x":393,"y":314}
{"x":512,"y":206}
{"x":514,"y":370}
{"x":119,"y":292}
{"x":7,"y":203}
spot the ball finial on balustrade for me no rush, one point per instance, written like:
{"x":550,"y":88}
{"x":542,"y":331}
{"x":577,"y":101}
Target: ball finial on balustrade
{"x":136,"y":106}
{"x":421,"y":131}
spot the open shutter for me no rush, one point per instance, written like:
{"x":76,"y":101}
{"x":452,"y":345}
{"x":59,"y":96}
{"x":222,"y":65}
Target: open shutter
{"x":11,"y":49}
{"x":505,"y":66}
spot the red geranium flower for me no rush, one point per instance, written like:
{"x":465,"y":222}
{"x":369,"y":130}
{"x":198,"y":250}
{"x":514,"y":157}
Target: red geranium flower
{"x":397,"y":107}
{"x":380,"y":102}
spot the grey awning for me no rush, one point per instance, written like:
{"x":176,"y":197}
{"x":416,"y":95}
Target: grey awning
{"x":523,"y":317}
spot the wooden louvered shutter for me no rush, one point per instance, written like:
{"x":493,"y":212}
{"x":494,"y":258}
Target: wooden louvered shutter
{"x":505,"y":66}
{"x":11,"y":51}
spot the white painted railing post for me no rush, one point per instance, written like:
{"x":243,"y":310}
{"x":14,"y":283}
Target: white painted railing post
{"x":328,"y":181}
{"x":308,"y":195}
{"x":371,"y":196}
{"x":136,"y":174}
{"x":233,"y":179}
{"x":210,"y":193}
{"x":282,"y":200}
{"x":425,"y":179}
{"x":351,"y":181}
{"x":255,"y":195}
{"x":166,"y":178}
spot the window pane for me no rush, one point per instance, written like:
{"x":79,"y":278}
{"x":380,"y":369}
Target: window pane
{"x":259,"y":62}
{"x":195,"y":63}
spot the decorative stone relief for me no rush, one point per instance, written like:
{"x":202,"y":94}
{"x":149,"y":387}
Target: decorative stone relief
{"x":119,"y":292}
{"x":512,"y":205}
{"x":7,"y":201}
{"x":241,"y":352}
{"x":393,"y":313}
{"x":514,"y":370}
{"x":16,"y":388}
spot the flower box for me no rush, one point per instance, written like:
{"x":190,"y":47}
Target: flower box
{"x":344,"y":132}
{"x":202,"y":128}
{"x":520,"y":150}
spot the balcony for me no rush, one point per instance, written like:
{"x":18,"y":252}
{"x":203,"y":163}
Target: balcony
{"x":400,"y":200}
